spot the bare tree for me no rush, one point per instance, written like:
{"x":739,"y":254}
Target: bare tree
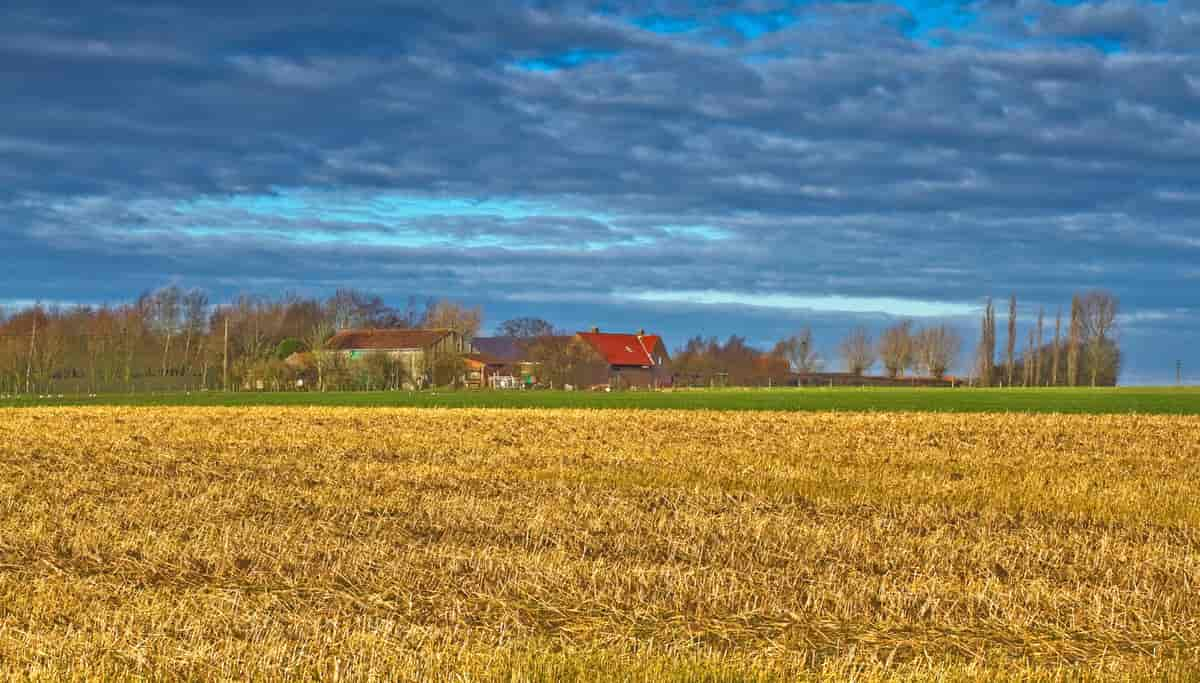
{"x":351,"y":308}
{"x":1098,"y":318}
{"x":1054,"y":358}
{"x":32,"y":355}
{"x":163,"y":308}
{"x":195,"y":313}
{"x":858,"y":351}
{"x":551,"y":353}
{"x":896,"y":348}
{"x":937,"y":348}
{"x":317,"y":341}
{"x":1009,"y":357}
{"x":525,"y":328}
{"x":1074,"y":341}
{"x":987,"y":345}
{"x":563,"y":359}
{"x":1027,"y":367}
{"x":1037,"y":348}
{"x":799,"y":350}
{"x":383,"y":371}
{"x":448,"y":315}
{"x":342,"y":309}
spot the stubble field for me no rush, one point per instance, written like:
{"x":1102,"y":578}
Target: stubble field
{"x":333,"y":543}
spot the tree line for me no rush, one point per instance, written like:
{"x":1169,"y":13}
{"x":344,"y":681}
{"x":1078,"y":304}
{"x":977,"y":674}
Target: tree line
{"x":902,"y":349}
{"x":1083,"y":349}
{"x":176,"y":339}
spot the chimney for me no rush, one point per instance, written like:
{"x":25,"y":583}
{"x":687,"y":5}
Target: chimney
{"x":595,"y":330}
{"x":642,"y":332}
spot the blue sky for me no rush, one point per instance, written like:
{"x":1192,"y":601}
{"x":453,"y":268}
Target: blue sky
{"x":691,"y":166}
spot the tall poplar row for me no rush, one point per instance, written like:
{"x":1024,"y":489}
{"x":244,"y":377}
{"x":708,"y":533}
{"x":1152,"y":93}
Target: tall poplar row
{"x":1074,"y":337}
{"x":1010,"y":359}
{"x":987,"y":345}
{"x":1054,"y":357}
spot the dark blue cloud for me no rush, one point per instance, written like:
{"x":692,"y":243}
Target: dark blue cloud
{"x":775,"y":161}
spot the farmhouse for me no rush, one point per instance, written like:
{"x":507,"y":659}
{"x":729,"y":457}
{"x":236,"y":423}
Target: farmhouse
{"x":417,"y":350}
{"x":634,"y":360}
{"x":592,"y":358}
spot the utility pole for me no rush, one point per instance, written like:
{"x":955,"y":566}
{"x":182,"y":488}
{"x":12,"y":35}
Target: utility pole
{"x":225,"y":357}
{"x":32,"y":350}
{"x":1179,"y":372}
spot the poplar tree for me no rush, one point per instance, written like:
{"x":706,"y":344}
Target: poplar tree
{"x":1012,"y":339}
{"x":1030,"y":363}
{"x":1057,"y":345}
{"x":1074,"y":337}
{"x":1037,"y":349}
{"x":987,"y":345}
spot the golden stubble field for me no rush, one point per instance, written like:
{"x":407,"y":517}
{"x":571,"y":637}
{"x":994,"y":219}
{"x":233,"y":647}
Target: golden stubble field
{"x":177,"y":543}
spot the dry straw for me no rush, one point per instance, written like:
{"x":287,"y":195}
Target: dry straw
{"x":548,"y":545}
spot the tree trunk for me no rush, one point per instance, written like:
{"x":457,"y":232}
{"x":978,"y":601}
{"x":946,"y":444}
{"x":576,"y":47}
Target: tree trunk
{"x":32,"y":352}
{"x":1010,"y":370}
{"x":187,"y":358}
{"x":166,"y":351}
{"x":225,"y":358}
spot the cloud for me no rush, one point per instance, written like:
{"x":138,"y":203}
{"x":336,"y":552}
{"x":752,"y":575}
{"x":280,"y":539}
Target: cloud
{"x":782,"y":151}
{"x":1119,"y":23}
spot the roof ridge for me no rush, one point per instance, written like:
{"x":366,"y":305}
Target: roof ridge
{"x":373,"y":330}
{"x":642,"y":342}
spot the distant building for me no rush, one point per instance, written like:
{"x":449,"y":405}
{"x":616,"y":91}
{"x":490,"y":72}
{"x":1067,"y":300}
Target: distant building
{"x":506,"y":362}
{"x":594,"y":358}
{"x":415,"y":349}
{"x":478,"y":369}
{"x":634,"y":360}
{"x":586,"y":359}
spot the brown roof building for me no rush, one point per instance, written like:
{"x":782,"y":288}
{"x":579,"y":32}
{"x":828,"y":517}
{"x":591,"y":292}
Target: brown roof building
{"x":418,"y":351}
{"x":394,"y":340}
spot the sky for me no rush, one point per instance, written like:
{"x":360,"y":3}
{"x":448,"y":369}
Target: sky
{"x":707,"y":167}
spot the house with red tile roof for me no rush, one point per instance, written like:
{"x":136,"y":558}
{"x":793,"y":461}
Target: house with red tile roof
{"x":634,"y":360}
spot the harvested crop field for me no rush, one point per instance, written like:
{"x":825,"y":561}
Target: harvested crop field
{"x":306,"y":543}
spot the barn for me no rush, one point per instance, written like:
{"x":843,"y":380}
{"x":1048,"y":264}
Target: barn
{"x":415,"y":349}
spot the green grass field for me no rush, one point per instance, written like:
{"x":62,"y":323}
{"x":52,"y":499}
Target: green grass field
{"x":1164,"y":401}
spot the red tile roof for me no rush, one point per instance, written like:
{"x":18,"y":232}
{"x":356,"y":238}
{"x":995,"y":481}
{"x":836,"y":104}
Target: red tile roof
{"x":389,"y":340}
{"x":651,"y":342}
{"x":623,"y":349}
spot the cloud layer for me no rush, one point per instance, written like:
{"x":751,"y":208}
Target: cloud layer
{"x":602,"y":160}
